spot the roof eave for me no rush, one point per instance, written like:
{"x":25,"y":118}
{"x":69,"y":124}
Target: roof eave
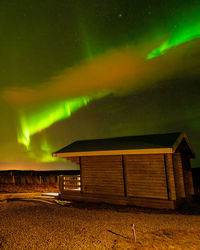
{"x":179,"y":140}
{"x":115,"y":152}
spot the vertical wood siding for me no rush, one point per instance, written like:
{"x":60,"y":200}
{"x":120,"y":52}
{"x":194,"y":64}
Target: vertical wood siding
{"x":145,"y":176}
{"x":102,"y":175}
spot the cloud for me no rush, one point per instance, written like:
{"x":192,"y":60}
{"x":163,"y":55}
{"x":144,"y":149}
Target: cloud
{"x":117,"y":71}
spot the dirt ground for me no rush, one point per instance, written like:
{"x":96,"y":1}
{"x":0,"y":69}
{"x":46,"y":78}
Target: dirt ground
{"x":43,"y":223}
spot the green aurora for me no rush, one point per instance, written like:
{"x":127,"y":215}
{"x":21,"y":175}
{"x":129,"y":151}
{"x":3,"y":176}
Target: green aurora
{"x":31,"y":123}
{"x":44,"y":118}
{"x":189,"y":29}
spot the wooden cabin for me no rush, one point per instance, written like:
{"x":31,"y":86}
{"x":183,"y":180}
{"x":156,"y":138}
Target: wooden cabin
{"x":148,"y":171}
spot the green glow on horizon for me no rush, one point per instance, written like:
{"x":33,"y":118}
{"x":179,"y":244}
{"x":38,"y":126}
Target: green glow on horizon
{"x":34,"y":123}
{"x":188,"y":33}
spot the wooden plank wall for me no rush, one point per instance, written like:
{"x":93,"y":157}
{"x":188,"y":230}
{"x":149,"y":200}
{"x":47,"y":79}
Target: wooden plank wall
{"x":102,"y":175}
{"x":145,"y":176}
{"x":178,"y":175}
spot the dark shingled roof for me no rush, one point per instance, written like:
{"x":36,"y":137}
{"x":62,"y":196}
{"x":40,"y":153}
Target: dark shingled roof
{"x":123,"y":143}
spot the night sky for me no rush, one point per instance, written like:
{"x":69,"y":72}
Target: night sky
{"x":72,"y":70}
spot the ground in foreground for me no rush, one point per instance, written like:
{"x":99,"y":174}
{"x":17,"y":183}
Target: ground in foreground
{"x":34,"y":224}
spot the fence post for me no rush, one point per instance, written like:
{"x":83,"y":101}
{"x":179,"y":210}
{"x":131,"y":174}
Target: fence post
{"x":13,"y":180}
{"x":58,"y":180}
{"x":40,"y":179}
{"x":60,"y":183}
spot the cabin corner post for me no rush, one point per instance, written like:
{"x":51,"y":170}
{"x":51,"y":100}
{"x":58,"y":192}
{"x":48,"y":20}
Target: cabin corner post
{"x":170,"y":176}
{"x":187,"y":175}
{"x":124,"y":166}
{"x":178,"y":174}
{"x":190,"y":179}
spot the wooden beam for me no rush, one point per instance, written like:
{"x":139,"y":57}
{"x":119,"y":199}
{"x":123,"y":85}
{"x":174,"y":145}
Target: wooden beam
{"x":170,"y":176}
{"x":124,"y":174}
{"x":178,"y":174}
{"x":116,"y":152}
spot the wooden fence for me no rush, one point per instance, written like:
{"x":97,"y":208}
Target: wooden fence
{"x":34,"y":177}
{"x":71,"y":182}
{"x":30,"y":180}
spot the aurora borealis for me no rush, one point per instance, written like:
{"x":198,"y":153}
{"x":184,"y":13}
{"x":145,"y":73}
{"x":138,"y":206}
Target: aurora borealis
{"x":72,"y":70}
{"x":45,"y":118}
{"x":186,"y":33}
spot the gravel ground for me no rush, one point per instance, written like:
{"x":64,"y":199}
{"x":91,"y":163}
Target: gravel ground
{"x":36,"y":224}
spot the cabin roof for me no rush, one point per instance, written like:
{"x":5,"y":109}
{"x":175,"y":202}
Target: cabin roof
{"x":155,"y":143}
